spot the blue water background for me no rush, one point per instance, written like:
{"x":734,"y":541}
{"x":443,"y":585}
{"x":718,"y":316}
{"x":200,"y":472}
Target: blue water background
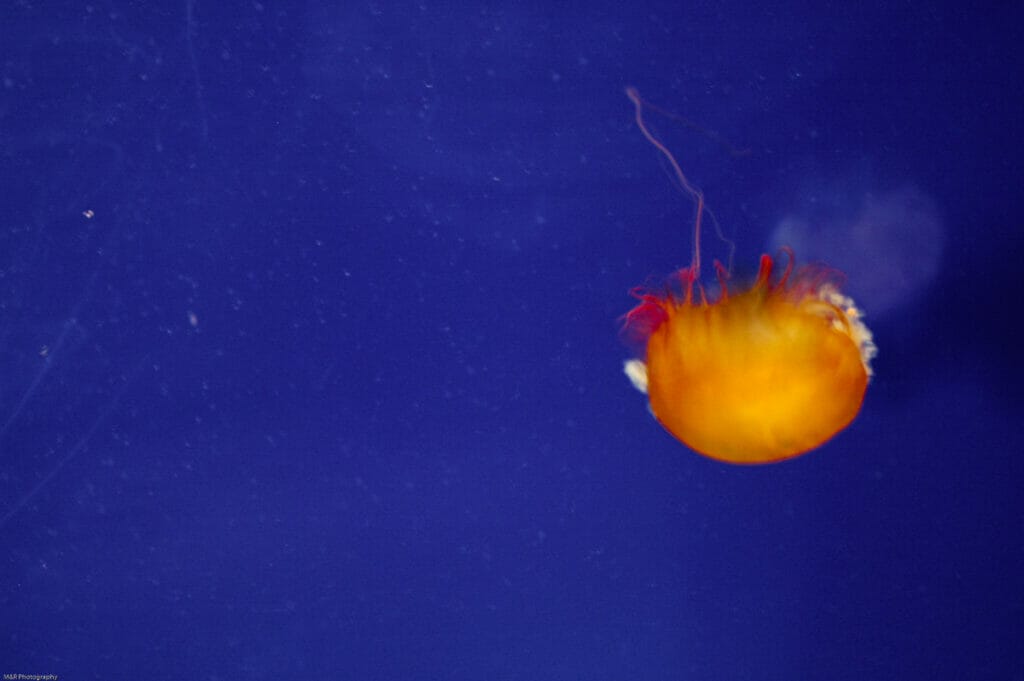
{"x":309,"y":351}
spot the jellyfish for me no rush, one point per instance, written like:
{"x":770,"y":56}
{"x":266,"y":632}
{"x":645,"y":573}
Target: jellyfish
{"x":754,"y":375}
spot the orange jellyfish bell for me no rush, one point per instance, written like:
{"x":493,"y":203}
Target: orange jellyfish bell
{"x":751,"y":376}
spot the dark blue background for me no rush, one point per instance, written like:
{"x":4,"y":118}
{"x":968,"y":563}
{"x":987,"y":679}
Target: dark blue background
{"x":329,"y":385}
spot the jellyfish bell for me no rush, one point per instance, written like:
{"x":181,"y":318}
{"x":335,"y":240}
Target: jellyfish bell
{"x":749,"y":375}
{"x":754,"y":376}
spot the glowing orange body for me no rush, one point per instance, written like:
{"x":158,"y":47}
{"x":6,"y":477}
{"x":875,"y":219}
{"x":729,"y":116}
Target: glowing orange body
{"x":758,"y":376}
